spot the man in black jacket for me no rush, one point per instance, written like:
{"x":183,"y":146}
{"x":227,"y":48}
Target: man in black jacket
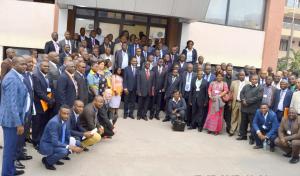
{"x":176,"y":107}
{"x":251,"y":97}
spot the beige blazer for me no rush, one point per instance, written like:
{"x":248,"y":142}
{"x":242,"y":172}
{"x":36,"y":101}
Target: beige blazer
{"x":234,"y":89}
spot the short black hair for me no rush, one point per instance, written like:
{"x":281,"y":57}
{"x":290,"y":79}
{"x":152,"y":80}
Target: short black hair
{"x":64,"y":106}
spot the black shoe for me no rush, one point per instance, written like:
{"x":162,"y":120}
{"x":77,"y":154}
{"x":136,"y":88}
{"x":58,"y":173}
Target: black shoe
{"x":241,"y":138}
{"x":287,"y":155}
{"x":66,"y":158}
{"x":258,"y":147}
{"x":200,"y":129}
{"x":294,"y":160}
{"x":25,"y":157}
{"x":19,"y":165}
{"x":230,"y":134}
{"x":37,"y":147}
{"x":145,"y":118}
{"x":138,"y":118}
{"x":47,"y":165}
{"x":29,"y":140}
{"x":165,"y":120}
{"x":19,"y":172}
{"x":191,"y":128}
{"x":151,"y":117}
{"x":251,"y":141}
{"x":157,"y":117}
{"x":125,"y":117}
{"x":1,"y":147}
{"x":85,"y":149}
{"x":131,"y":117}
{"x":272,"y":149}
{"x":59,"y":163}
{"x":24,"y":150}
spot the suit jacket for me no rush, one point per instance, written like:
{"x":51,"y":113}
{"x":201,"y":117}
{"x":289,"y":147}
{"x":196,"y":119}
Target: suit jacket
{"x":271,"y":123}
{"x":145,"y":87}
{"x":62,"y":44}
{"x":286,"y":101}
{"x":194,"y":55}
{"x":142,"y":62}
{"x":130,"y":80}
{"x":159,"y":79}
{"x":175,"y":58}
{"x":40,"y":91}
{"x":103,"y":117}
{"x":52,"y":136}
{"x":28,"y":81}
{"x":131,"y":51}
{"x":49,"y":47}
{"x":82,"y":87}
{"x":253,"y":97}
{"x":172,"y":105}
{"x":194,"y":75}
{"x":76,"y":129}
{"x":171,"y":86}
{"x":88,"y":118}
{"x":65,"y":91}
{"x":229,"y":80}
{"x":102,"y":48}
{"x":199,"y":97}
{"x":284,"y":127}
{"x":6,"y":66}
{"x":119,"y":59}
{"x":183,"y":68}
{"x":53,"y":73}
{"x":13,"y":100}
{"x":234,"y":89}
{"x":62,"y":56}
{"x":209,"y":79}
{"x":90,"y":43}
{"x":145,"y":55}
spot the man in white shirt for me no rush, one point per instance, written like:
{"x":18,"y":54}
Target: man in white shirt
{"x":99,"y":36}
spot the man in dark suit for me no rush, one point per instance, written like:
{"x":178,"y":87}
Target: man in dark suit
{"x":67,"y":41}
{"x":6,"y":65}
{"x":182,"y":64}
{"x":82,"y":35}
{"x":80,"y":78}
{"x":172,"y":83}
{"x":121,"y":57}
{"x":198,"y":99}
{"x":251,"y":96}
{"x":67,"y":89}
{"x":133,"y":47}
{"x":282,"y":99}
{"x":55,"y":140}
{"x":43,"y":100}
{"x":104,"y":117}
{"x":145,"y":52}
{"x":265,"y":126}
{"x":174,"y":55}
{"x":92,"y":42}
{"x":140,"y":59}
{"x":186,"y":86}
{"x":208,"y":75}
{"x":64,"y":53}
{"x":52,"y":45}
{"x":77,"y":131}
{"x":54,"y":71}
{"x":130,"y":87}
{"x":12,"y":113}
{"x":145,"y":90}
{"x":159,"y":80}
{"x":105,"y":45}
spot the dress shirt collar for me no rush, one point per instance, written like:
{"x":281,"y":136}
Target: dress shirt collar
{"x":175,"y":100}
{"x":19,"y":75}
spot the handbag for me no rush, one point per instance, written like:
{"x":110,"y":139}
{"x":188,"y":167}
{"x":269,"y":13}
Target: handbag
{"x":178,"y":125}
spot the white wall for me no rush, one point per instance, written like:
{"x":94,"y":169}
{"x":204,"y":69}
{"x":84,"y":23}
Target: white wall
{"x":62,"y":22}
{"x":25,"y":24}
{"x":219,"y":43}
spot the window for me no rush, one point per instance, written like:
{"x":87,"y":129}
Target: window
{"x":137,"y":18}
{"x":246,"y":13}
{"x":86,"y":12}
{"x":283,"y":45}
{"x":290,"y":3}
{"x":216,"y":12}
{"x":88,"y":24}
{"x":159,"y":21}
{"x":104,"y":14}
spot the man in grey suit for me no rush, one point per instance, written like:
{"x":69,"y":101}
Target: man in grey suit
{"x":122,"y":58}
{"x":54,"y":71}
{"x":67,"y":40}
{"x":81,"y":82}
{"x":15,"y":101}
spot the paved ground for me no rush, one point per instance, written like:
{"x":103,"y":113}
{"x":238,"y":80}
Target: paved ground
{"x":150,"y":148}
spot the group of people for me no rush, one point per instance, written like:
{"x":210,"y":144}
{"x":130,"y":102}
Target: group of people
{"x":68,"y":99}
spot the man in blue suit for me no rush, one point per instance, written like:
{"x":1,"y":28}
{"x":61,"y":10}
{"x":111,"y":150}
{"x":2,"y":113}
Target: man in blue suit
{"x":14,"y":104}
{"x":132,"y":48}
{"x":55,"y":140}
{"x":130,"y":87}
{"x":264,"y":127}
{"x":282,"y":99}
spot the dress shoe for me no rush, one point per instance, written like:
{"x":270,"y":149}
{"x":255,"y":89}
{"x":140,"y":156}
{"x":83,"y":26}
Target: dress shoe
{"x":131,"y":117}
{"x":47,"y":165}
{"x":1,"y":147}
{"x":241,"y":138}
{"x":25,"y":157}
{"x":191,"y":128}
{"x":86,"y":149}
{"x":165,"y":120}
{"x":24,"y":150}
{"x":294,"y":160}
{"x":29,"y":140}
{"x":125,"y":117}
{"x":145,"y":118}
{"x":66,"y":158}
{"x":59,"y":163}
{"x":287,"y":155}
{"x":19,"y":165}
{"x":251,"y":141}
{"x":151,"y":117}
{"x":272,"y":149}
{"x":157,"y":117}
{"x":230,"y":134}
{"x":200,"y":129}
{"x":37,"y":147}
{"x":138,"y":118}
{"x":258,"y":147}
{"x":19,"y":172}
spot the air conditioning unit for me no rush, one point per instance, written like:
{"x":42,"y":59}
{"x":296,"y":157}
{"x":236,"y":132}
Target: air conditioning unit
{"x":158,"y":35}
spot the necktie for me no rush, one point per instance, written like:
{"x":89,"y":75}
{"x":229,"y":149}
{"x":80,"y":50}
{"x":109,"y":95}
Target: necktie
{"x":63,"y":133}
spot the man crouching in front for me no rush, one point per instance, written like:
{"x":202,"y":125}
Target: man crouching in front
{"x":55,"y":140}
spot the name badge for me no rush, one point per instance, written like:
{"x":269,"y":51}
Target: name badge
{"x":289,"y":132}
{"x":264,"y":127}
{"x":217,"y":91}
{"x":48,"y":90}
{"x":265,"y":96}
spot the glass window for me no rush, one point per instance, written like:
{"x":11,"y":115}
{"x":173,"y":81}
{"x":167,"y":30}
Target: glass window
{"x":110,"y":28}
{"x":290,"y":3}
{"x":86,"y":12}
{"x":136,"y":18}
{"x":246,"y":13}
{"x":159,"y":21}
{"x":157,"y":32}
{"x":88,"y":24}
{"x":216,"y":11}
{"x":105,"y":14}
{"x":135,"y":29}
{"x":283,"y":45}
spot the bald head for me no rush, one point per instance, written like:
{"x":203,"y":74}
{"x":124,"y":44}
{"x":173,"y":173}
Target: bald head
{"x":53,"y":57}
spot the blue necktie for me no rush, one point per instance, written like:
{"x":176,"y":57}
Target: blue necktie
{"x":63,"y":133}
